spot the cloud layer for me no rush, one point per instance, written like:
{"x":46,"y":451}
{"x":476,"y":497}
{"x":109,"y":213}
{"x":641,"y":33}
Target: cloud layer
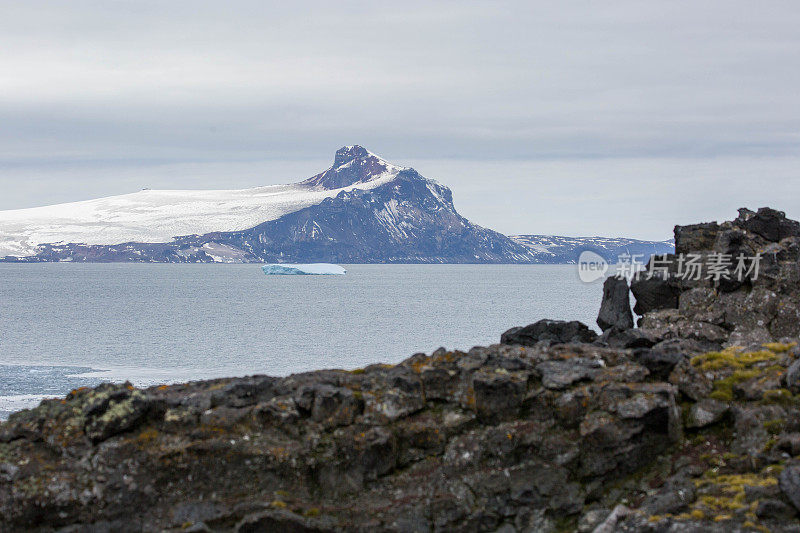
{"x":95,"y":96}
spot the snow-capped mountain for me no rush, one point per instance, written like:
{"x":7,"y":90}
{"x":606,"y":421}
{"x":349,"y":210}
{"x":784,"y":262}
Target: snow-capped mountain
{"x":362,"y":209}
{"x":558,"y":249}
{"x":154,"y":216}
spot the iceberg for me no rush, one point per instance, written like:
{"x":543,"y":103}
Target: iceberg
{"x":309,"y":269}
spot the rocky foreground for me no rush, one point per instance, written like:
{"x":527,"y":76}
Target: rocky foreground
{"x":690,"y":422}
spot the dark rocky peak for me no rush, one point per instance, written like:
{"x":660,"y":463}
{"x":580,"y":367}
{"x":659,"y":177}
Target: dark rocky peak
{"x":346,"y":154}
{"x":352,"y":165}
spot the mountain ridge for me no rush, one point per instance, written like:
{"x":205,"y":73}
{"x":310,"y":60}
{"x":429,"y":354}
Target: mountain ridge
{"x":563,"y":249}
{"x":362,"y":209}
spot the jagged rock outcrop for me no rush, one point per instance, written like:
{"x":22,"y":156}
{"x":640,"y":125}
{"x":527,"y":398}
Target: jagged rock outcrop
{"x":502,"y":438}
{"x":724,"y":310}
{"x":504,"y":435}
{"x":549,"y":332}
{"x":615,"y":308}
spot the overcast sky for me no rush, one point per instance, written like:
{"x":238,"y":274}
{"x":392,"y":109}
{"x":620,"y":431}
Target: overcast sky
{"x":577,"y":118}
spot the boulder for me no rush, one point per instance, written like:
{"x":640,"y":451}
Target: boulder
{"x":113,"y":409}
{"x":672,"y":498}
{"x":660,"y":363}
{"x":615,"y":308}
{"x":789,"y":482}
{"x":772,"y":225}
{"x":561,"y":374}
{"x":654,"y":294}
{"x":689,"y":381}
{"x":498,"y":395}
{"x":790,"y":443}
{"x":792,"y":377}
{"x":553,"y":331}
{"x":772,"y":509}
{"x":706,"y":412}
{"x":695,"y":237}
{"x":626,"y":338}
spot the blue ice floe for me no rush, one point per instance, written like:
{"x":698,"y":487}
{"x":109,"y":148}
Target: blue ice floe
{"x":309,"y":269}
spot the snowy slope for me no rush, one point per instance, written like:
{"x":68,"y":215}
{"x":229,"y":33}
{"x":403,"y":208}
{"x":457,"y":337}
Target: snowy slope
{"x":160,"y":215}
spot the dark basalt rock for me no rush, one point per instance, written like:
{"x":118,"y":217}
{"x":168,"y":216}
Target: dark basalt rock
{"x":552,"y":331}
{"x":615,"y":308}
{"x":655,"y":293}
{"x":695,"y":237}
{"x":660,"y":363}
{"x":706,"y":412}
{"x":113,"y":410}
{"x":626,"y":338}
{"x":789,"y":482}
{"x":762,"y":306}
{"x":336,"y":450}
{"x":774,"y":509}
{"x":772,"y":225}
{"x":792,"y":377}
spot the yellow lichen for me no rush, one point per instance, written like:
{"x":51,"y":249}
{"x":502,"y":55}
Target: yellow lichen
{"x":725,"y":493}
{"x":778,"y":396}
{"x":147,"y":436}
{"x":774,"y":427}
{"x":731,"y":358}
{"x":779,"y":347}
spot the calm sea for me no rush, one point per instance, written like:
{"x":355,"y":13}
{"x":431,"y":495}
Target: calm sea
{"x":67,"y":325}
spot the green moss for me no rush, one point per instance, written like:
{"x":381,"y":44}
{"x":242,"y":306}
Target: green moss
{"x":774,"y":427}
{"x":723,"y":388}
{"x":732,"y":358}
{"x":778,"y":396}
{"x":722,"y":495}
{"x":779,"y":347}
{"x":722,"y":395}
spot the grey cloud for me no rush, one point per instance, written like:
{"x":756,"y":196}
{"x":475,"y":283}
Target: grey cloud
{"x":112,"y":89}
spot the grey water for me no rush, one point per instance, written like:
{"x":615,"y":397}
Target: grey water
{"x":65,"y":325}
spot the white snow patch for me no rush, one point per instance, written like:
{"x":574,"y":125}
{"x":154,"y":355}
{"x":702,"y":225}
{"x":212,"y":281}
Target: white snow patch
{"x":160,"y":215}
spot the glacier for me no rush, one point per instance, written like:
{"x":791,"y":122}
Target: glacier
{"x":154,"y":216}
{"x":303,"y":269}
